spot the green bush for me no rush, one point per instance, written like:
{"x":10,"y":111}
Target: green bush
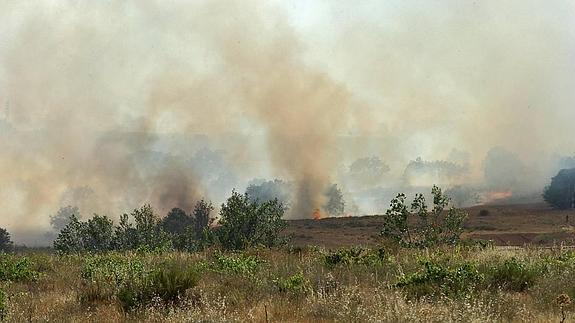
{"x":168,"y":283}
{"x":355,"y":256}
{"x":134,"y":283}
{"x":245,"y":223}
{"x":513,"y":275}
{"x":238,"y":264}
{"x":439,"y":280}
{"x":295,"y":284}
{"x":16,"y":269}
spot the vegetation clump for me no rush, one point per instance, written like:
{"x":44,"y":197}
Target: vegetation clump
{"x":419,"y":227}
{"x":245,"y":223}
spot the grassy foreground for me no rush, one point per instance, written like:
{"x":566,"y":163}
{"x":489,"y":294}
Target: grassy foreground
{"x":291,"y":284}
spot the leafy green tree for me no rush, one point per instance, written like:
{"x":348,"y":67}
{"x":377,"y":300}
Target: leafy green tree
{"x":70,"y":239}
{"x":418,"y":226}
{"x":561,"y":192}
{"x":6,"y":243}
{"x":96,"y":234}
{"x":245,"y":223}
{"x":148,"y":232}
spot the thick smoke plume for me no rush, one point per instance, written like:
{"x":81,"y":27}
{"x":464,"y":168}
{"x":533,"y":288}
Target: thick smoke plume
{"x":104,"y":104}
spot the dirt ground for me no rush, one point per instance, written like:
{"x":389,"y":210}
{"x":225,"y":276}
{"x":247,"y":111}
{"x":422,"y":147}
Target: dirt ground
{"x":505,"y":225}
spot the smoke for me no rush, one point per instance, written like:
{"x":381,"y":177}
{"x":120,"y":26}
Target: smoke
{"x":105,"y":103}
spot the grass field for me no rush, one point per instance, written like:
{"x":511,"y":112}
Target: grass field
{"x":291,"y":285}
{"x":334,"y":269}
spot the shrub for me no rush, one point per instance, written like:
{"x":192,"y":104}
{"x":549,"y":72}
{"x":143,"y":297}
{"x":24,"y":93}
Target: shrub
{"x":439,"y":280}
{"x":133,"y":283}
{"x":295,"y":284}
{"x":238,"y":264}
{"x":16,"y":269}
{"x":245,"y":223}
{"x":167,"y":283}
{"x":355,"y":256}
{"x":6,"y":243}
{"x":484,"y":212}
{"x":420,"y":227}
{"x":513,"y":275}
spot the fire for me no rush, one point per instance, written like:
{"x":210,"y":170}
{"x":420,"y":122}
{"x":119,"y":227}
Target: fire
{"x":492,"y":196}
{"x":316,"y":214}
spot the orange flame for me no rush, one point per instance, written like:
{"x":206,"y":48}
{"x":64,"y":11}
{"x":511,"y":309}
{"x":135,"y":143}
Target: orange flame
{"x":492,"y":196}
{"x":316,"y":214}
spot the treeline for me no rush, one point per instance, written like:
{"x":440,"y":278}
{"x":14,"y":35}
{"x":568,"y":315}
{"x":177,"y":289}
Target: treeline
{"x":243,"y":223}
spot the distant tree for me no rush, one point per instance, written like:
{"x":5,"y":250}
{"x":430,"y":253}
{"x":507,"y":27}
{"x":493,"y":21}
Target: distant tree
{"x":269,"y":190}
{"x":335,"y":205}
{"x":561,"y":192}
{"x":177,"y":221}
{"x":368,"y":171}
{"x":6,"y":243}
{"x":59,"y":220}
{"x":420,"y":227}
{"x":245,"y":223}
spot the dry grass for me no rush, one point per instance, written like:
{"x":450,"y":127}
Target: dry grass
{"x":360,"y":292}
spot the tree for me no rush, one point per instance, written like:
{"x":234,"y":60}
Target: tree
{"x":245,"y":223}
{"x":177,"y":221}
{"x":269,"y":190}
{"x":368,"y":171}
{"x":70,"y":238}
{"x":6,"y":243}
{"x":148,"y":232}
{"x":202,"y":219}
{"x":420,"y":227}
{"x":59,"y":220}
{"x":561,"y":192}
{"x":335,"y":203}
{"x":96,"y":234}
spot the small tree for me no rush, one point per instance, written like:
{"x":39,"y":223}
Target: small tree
{"x":98,"y":234}
{"x":6,"y":243}
{"x":202,"y":219}
{"x":561,"y":192}
{"x":335,"y":203}
{"x":245,"y":223}
{"x":148,"y":230}
{"x":70,"y":239}
{"x":420,"y":227}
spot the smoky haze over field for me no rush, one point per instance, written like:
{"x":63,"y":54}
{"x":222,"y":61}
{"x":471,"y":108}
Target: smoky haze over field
{"x":108,"y":105}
